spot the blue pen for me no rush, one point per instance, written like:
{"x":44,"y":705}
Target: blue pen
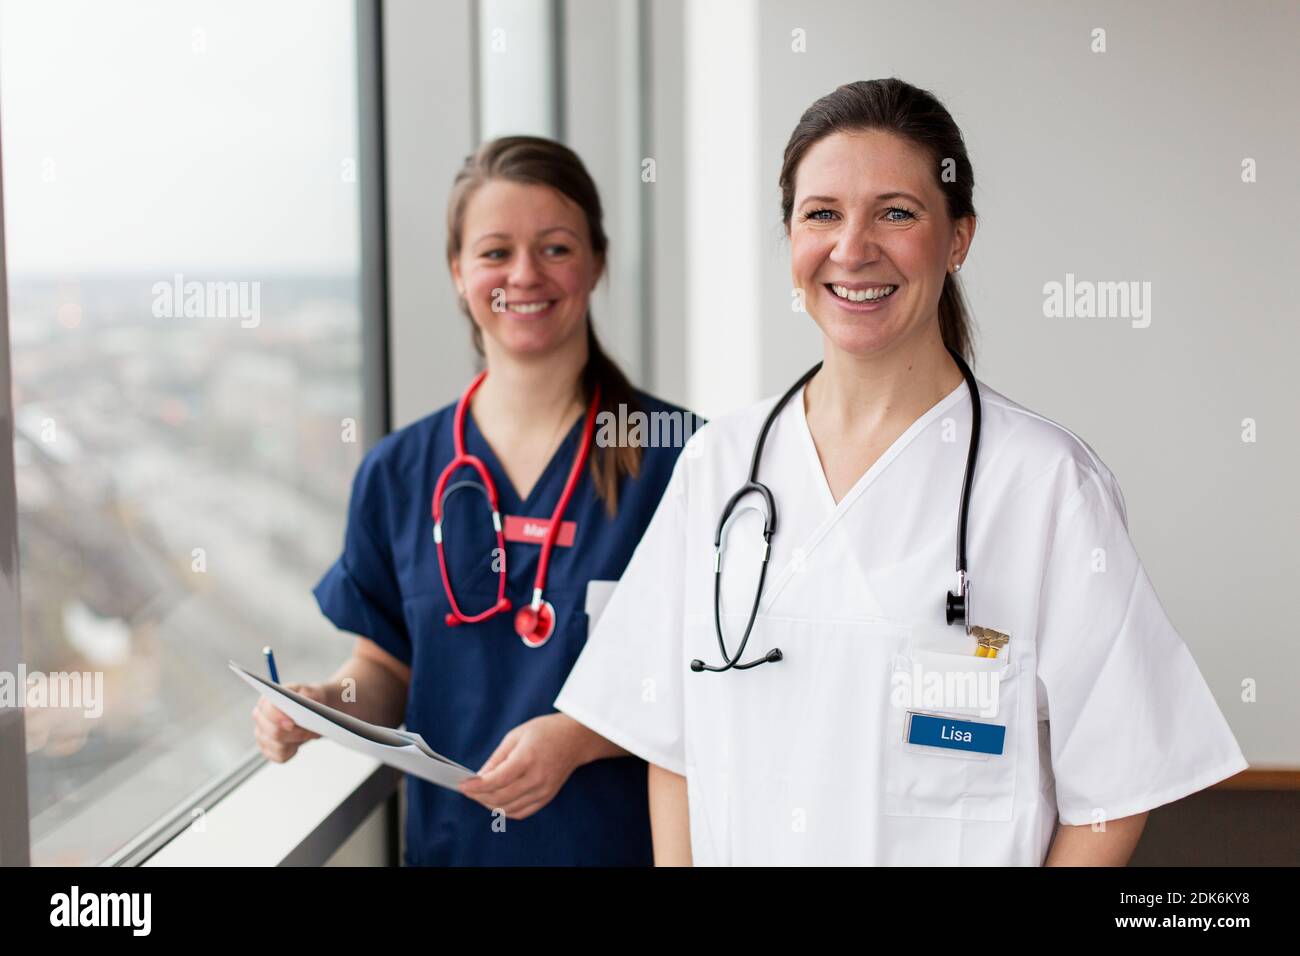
{"x":270,"y":662}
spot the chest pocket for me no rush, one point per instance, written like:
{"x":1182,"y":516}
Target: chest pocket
{"x":931,"y":781}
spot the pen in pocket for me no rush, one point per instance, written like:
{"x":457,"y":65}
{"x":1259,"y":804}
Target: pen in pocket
{"x":988,"y":641}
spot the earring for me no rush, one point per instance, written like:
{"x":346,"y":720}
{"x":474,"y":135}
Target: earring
{"x":957,"y":267}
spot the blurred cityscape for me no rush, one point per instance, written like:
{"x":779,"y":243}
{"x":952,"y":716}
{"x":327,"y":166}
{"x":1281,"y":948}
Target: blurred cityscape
{"x":182,"y":485}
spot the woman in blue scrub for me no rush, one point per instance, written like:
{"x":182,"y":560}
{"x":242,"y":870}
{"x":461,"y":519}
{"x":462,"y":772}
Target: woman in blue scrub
{"x":471,"y":646}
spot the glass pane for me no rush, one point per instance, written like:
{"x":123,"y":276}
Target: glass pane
{"x":183,"y":237}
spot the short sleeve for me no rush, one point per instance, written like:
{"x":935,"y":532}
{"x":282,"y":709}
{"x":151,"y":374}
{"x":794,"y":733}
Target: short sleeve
{"x":1133,"y":724}
{"x":627,"y":683}
{"x":360,"y":592}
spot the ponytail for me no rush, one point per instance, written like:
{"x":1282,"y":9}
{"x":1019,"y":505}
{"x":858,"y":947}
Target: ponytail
{"x":611,"y":462}
{"x":954,"y":321}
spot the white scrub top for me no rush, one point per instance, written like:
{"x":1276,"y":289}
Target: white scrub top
{"x":804,"y":761}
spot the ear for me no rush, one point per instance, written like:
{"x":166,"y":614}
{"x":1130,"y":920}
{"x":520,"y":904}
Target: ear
{"x":963,"y":234}
{"x":600,"y":272}
{"x":457,"y":282}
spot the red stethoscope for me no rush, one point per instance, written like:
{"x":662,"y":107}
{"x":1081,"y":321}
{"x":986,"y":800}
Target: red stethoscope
{"x":534,"y":623}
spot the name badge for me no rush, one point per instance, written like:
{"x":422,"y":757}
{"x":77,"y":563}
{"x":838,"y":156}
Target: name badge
{"x":533,"y":530}
{"x":968,"y":735}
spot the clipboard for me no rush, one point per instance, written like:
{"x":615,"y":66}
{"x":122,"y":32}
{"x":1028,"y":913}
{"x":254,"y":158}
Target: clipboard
{"x":402,"y":749}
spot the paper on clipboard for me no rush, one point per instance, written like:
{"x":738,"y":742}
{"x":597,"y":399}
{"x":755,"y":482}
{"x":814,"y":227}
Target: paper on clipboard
{"x":398,"y":748}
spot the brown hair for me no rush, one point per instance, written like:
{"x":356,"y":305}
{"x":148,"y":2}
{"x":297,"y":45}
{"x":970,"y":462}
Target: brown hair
{"x":537,"y":161}
{"x":894,"y":106}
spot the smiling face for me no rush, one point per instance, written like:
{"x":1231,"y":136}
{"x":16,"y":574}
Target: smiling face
{"x":871,"y":240}
{"x":526,"y":267}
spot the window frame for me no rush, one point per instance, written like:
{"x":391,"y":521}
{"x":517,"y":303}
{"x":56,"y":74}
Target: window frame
{"x":15,"y":829}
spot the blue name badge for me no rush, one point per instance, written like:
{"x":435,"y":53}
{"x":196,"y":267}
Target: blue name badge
{"x":928,"y":731}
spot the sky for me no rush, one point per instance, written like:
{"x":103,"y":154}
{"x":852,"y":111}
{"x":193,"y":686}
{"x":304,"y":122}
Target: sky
{"x":151,"y":135}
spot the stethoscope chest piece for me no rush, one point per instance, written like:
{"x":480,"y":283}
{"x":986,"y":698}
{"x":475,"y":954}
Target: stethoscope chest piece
{"x":535,"y":625}
{"x":958,"y":607}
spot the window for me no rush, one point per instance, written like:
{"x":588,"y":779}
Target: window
{"x":182,"y":233}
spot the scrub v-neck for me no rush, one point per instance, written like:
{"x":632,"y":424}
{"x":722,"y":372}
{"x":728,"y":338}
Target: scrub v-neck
{"x":510,"y":500}
{"x":834,"y":511}
{"x":895,"y":448}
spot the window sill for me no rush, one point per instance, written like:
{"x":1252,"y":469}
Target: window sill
{"x":292,"y":814}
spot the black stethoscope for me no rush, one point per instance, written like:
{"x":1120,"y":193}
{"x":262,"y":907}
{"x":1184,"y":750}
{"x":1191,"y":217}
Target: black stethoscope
{"x":958,"y":604}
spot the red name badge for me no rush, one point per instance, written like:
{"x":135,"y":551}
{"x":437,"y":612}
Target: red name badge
{"x":533,"y":530}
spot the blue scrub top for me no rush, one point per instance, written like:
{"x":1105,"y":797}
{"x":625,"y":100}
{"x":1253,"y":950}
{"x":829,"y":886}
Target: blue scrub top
{"x":473,"y":683}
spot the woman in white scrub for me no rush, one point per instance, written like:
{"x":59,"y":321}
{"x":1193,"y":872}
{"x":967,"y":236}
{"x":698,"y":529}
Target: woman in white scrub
{"x":1091,"y":714}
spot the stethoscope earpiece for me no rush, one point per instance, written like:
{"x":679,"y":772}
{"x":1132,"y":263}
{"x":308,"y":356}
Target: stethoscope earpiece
{"x":500,"y":607}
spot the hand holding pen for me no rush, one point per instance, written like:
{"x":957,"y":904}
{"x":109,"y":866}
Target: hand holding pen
{"x":277,"y":736}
